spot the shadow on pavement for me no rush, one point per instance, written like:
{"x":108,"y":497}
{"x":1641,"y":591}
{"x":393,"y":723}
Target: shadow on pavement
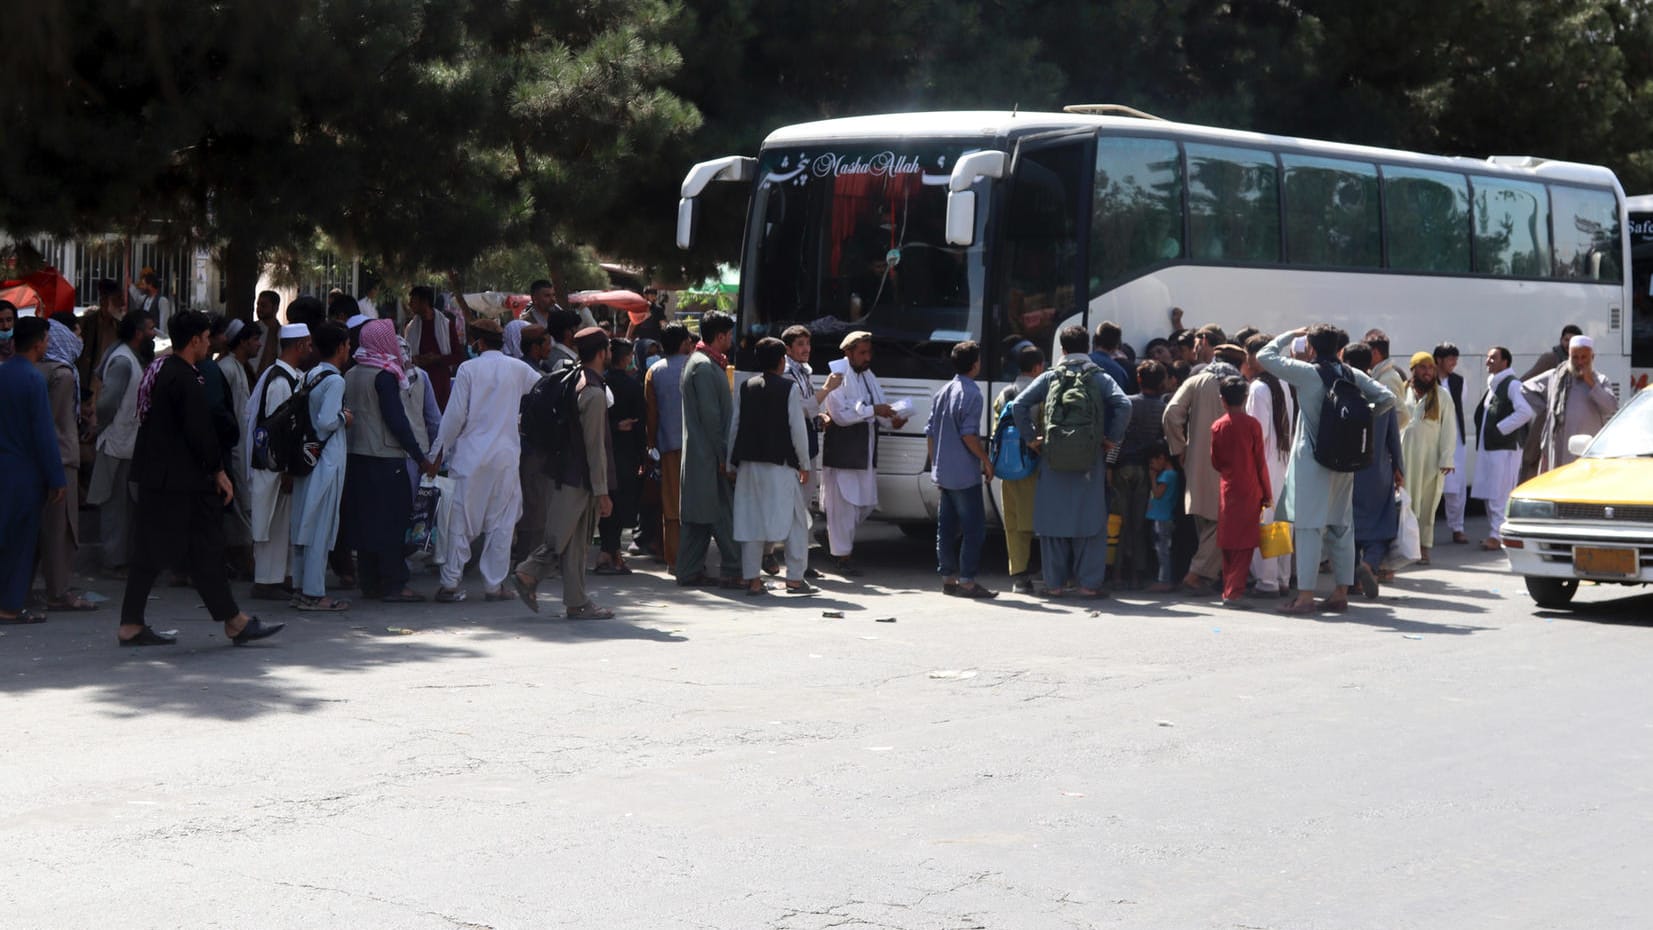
{"x":1633,"y":610}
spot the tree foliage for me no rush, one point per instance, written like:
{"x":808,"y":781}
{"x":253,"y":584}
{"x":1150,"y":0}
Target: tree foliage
{"x":429,"y":135}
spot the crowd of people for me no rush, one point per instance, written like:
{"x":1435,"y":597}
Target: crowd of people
{"x":286,"y":452}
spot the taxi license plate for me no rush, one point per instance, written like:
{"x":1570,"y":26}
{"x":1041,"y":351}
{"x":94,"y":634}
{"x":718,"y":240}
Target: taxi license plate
{"x":1594,"y":561}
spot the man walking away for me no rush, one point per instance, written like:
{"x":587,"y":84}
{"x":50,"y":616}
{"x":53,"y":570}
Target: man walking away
{"x":1499,"y":417}
{"x":480,"y":440}
{"x":1238,"y":456}
{"x":707,"y":501}
{"x":770,"y":450}
{"x":1084,"y":415}
{"x":663,"y":397}
{"x":319,"y":494}
{"x":959,"y":465}
{"x":177,"y":463}
{"x":30,"y":460}
{"x":581,"y":468}
{"x":1318,"y":500}
{"x":1018,"y":496}
{"x":1454,"y":488}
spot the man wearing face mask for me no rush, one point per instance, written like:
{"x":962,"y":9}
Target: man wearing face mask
{"x":118,"y":412}
{"x":479,"y":439}
{"x":8,"y":324}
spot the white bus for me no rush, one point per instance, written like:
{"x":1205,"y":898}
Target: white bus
{"x":1641,"y":288}
{"x":931,"y":228}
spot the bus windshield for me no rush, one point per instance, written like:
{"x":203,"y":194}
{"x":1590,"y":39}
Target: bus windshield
{"x":851,"y":237}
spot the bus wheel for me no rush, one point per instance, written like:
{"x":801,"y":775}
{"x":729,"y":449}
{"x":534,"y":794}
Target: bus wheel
{"x":1552,"y":592}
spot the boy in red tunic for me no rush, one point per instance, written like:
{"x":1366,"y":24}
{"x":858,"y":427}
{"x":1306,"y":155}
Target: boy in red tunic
{"x":1237,"y":454}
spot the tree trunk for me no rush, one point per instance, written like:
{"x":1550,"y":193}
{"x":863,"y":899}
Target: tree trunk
{"x":240,"y":258}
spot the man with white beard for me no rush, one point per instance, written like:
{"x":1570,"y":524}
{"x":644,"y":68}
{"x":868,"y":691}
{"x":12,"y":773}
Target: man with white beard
{"x":479,"y":440}
{"x":271,"y":492}
{"x":849,"y":489}
{"x":1573,"y":398}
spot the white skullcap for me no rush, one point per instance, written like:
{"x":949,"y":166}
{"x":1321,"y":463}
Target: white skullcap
{"x":1581,"y":342}
{"x":356,"y":321}
{"x":294,"y":331}
{"x":1299,"y":345}
{"x":233,"y":330}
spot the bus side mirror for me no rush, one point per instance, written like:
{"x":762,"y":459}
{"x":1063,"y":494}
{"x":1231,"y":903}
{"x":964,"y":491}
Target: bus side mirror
{"x":961,"y":218}
{"x":961,"y":199}
{"x":688,"y":219}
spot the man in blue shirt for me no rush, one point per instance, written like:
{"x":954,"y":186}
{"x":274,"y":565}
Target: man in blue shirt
{"x":1106,"y":353}
{"x":960,"y":462}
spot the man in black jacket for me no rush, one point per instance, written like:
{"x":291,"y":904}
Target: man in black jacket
{"x":177,"y":463}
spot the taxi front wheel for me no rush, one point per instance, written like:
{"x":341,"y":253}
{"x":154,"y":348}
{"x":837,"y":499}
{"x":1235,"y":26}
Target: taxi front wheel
{"x":1552,"y":592}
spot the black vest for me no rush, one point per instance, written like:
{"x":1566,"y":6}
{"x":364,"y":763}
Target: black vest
{"x":765,"y":434}
{"x":1492,"y":410}
{"x":1455,"y":387}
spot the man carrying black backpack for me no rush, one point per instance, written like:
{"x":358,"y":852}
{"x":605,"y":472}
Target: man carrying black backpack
{"x":1334,"y":440}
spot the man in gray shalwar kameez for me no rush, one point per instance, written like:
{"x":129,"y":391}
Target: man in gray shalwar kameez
{"x":1317,"y":501}
{"x":1070,"y":508}
{"x":769,"y":445}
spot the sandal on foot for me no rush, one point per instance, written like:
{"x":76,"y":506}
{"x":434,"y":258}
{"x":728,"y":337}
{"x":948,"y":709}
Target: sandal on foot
{"x":1338,"y":606}
{"x":589,"y":611}
{"x":975,"y":591}
{"x":23,"y":618}
{"x":323,"y":604}
{"x":607,"y":569}
{"x":404,"y":597}
{"x":527,"y":593}
{"x":445,"y":596}
{"x":72,"y":603}
{"x":801,"y":588}
{"x":1295,"y":609}
{"x":759,"y":591}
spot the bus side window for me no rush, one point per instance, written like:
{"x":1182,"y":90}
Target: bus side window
{"x":1587,"y":234}
{"x":1136,"y":215}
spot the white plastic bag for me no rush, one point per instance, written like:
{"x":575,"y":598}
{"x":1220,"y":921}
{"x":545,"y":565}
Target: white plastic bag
{"x":1407,"y":546}
{"x":436,"y":552}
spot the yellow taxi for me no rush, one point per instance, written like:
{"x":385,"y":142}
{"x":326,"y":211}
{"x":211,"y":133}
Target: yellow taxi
{"x":1591,"y":519}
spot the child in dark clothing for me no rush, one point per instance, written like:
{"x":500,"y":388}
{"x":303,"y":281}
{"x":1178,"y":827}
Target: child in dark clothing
{"x":1237,"y":454}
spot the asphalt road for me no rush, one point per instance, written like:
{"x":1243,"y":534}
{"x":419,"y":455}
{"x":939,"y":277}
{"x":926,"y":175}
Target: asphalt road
{"x":1445,"y":757}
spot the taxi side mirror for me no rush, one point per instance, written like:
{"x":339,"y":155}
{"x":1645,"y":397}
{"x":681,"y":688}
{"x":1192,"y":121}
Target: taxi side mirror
{"x":1577,"y":444}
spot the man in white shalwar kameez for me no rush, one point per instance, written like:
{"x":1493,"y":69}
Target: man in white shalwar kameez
{"x":1502,"y":412}
{"x":480,"y":442}
{"x":270,"y":492}
{"x":771,"y":458}
{"x":849,"y":495}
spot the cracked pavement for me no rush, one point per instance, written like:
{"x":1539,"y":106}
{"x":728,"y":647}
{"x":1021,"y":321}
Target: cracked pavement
{"x":705,"y":761}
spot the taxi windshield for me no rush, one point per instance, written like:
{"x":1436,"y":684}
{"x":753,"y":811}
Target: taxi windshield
{"x":1629,"y":434}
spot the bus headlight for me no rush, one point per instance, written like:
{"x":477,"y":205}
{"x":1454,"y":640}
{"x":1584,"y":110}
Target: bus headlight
{"x":1521,"y":509}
